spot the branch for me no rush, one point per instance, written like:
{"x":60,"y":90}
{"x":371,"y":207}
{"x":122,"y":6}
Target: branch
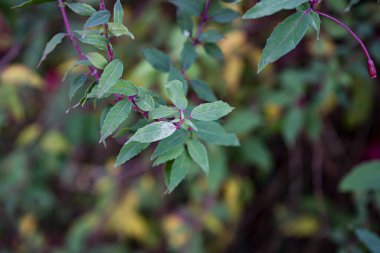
{"x":109,"y":49}
{"x":73,"y":40}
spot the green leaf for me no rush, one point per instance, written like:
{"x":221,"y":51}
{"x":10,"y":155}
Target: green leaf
{"x":243,"y":121}
{"x":210,"y":36}
{"x":130,"y":150}
{"x":188,"y":55}
{"x":176,"y":94}
{"x":51,"y":45}
{"x":30,"y":3}
{"x":189,"y":123}
{"x":223,"y":15}
{"x":112,"y":73}
{"x":202,"y":90}
{"x":213,"y":50}
{"x":198,"y":153}
{"x":193,"y":7}
{"x":168,"y":156}
{"x":175,"y":74}
{"x":269,"y":7}
{"x":82,"y":9}
{"x":97,"y":60}
{"x":145,"y":103}
{"x":126,"y":88}
{"x":315,"y":21}
{"x":162,"y":112}
{"x":211,"y":111}
{"x":116,"y":115}
{"x":76,"y":85}
{"x":284,"y":38}
{"x":185,"y":22}
{"x":117,"y":30}
{"x":154,"y":132}
{"x":293,"y":123}
{"x":178,"y":171}
{"x":363,"y":177}
{"x":255,"y":152}
{"x":118,"y":13}
{"x":369,"y":239}
{"x":98,"y":18}
{"x":212,"y":132}
{"x":168,"y":144}
{"x":157,"y":59}
{"x":95,"y":40}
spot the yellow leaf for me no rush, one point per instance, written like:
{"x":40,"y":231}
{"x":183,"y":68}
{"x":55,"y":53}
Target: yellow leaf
{"x":54,"y":142}
{"x":232,"y":42}
{"x":27,"y":225}
{"x":300,"y":226}
{"x":233,"y":70}
{"x":272,"y":112}
{"x":20,"y":75}
{"x":126,"y":220}
{"x":176,"y":231}
{"x":212,"y":223}
{"x":28,"y":135}
{"x":232,"y":193}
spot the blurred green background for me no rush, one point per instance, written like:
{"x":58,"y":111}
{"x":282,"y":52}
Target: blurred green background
{"x":303,"y":124}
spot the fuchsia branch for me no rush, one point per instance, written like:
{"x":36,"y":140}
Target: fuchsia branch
{"x":202,"y":23}
{"x":109,"y":49}
{"x":73,"y":40}
{"x":370,"y":64}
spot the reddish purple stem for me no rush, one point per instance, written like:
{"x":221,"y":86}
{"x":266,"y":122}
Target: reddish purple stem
{"x":109,"y":49}
{"x":73,"y":40}
{"x":202,"y":22}
{"x":370,"y":64}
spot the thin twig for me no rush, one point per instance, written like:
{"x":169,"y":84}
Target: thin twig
{"x":109,"y":46}
{"x":73,"y":40}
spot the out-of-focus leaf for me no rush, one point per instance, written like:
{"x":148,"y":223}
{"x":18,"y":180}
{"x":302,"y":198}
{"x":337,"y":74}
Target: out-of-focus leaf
{"x":293,"y":123}
{"x":369,"y":239}
{"x":193,"y":7}
{"x":31,"y":2}
{"x":214,"y":133}
{"x":18,"y":75}
{"x":157,"y":59}
{"x":364,"y":177}
{"x":203,"y":90}
{"x":243,"y":121}
{"x":188,"y":55}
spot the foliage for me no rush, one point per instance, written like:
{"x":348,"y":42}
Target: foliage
{"x":180,"y":101}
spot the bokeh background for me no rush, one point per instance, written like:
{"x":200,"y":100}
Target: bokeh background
{"x":277,"y":192}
